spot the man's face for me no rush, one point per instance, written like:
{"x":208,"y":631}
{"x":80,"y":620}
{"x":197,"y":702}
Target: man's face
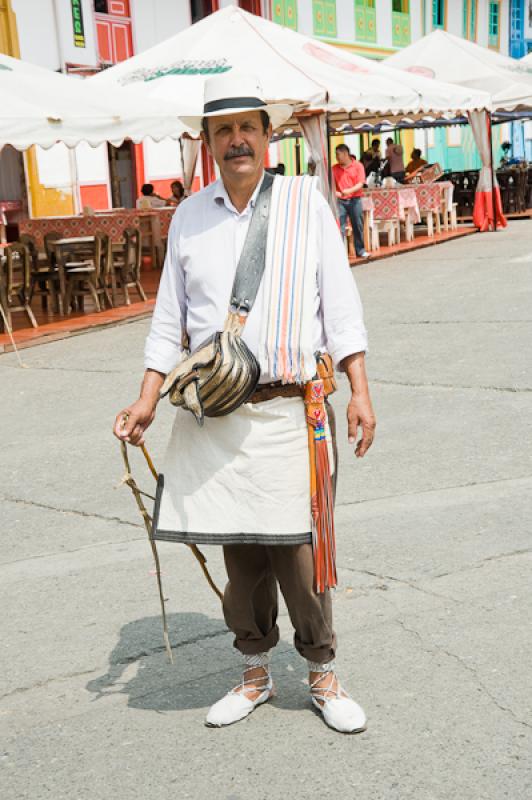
{"x":238,"y":143}
{"x":343,"y":158}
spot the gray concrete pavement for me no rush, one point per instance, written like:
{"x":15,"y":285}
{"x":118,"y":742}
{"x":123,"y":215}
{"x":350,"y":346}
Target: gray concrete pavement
{"x":433,"y":609}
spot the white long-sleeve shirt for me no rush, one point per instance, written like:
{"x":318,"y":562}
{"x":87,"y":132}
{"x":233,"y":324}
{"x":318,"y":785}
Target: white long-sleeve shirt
{"x":205,"y":240}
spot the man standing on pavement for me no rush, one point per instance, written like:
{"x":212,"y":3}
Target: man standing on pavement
{"x":349,"y":177}
{"x":242,"y":480}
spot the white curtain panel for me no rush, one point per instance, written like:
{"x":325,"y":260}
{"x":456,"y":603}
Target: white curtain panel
{"x":189,"y":157}
{"x":480,"y":127}
{"x":314,"y":130}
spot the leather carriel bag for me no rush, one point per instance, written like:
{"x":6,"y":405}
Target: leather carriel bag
{"x":223,"y":373}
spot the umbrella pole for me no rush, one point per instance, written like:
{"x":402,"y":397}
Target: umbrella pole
{"x":329,"y":155}
{"x":493,"y":192}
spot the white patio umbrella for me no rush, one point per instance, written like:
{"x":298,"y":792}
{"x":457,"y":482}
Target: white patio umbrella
{"x":442,"y":56}
{"x":526,"y":63}
{"x":291,"y":67}
{"x":311,"y":75}
{"x":466,"y":64}
{"x":38,"y":106}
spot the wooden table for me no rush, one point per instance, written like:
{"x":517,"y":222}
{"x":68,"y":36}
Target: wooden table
{"x":154,"y":224}
{"x":80,"y":245}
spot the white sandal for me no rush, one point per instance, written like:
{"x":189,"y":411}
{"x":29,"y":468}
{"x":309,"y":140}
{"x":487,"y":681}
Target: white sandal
{"x":339,"y":711}
{"x":236,"y":704}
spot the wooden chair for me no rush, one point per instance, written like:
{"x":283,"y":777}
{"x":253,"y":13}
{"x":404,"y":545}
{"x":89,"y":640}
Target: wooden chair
{"x":528,"y":196}
{"x":87,"y":278}
{"x":522,"y":188}
{"x":15,"y":282}
{"x":465,"y":193}
{"x":125,"y":270}
{"x":152,"y":245}
{"x":48,"y":239}
{"x":44,"y":278}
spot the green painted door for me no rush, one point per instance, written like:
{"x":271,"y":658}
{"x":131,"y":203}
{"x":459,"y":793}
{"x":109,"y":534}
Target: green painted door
{"x":400,"y":23}
{"x":365,"y":21}
{"x":330,"y":18}
{"x":284,"y":12}
{"x":318,"y":15}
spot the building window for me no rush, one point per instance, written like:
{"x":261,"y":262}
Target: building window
{"x":400,"y":23}
{"x":201,"y":8}
{"x":518,"y":46}
{"x":494,"y":24}
{"x":253,"y":6}
{"x":438,"y":13}
{"x":284,"y":12}
{"x":365,"y":21}
{"x":469,"y":20}
{"x":324,"y":17}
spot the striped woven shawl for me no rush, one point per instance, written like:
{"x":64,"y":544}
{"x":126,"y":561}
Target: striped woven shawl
{"x":286,"y":350}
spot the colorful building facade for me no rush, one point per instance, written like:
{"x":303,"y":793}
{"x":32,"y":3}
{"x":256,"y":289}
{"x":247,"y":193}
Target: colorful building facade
{"x":81,"y":37}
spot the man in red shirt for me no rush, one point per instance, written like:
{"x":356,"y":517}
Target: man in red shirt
{"x":349,"y":177}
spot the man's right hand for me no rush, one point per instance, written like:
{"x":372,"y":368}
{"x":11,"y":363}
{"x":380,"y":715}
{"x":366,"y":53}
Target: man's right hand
{"x":133,"y":421}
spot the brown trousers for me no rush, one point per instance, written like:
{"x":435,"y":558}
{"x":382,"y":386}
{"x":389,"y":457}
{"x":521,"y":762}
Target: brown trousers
{"x":251,"y":598}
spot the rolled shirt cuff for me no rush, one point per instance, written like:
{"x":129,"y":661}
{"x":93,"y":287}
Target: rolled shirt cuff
{"x":164,"y":360}
{"x":357,"y":345}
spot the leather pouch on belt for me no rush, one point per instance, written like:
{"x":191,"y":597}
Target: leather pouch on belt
{"x":325,"y":369}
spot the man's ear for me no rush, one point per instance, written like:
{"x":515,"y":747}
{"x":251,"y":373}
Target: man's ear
{"x":269,"y":132}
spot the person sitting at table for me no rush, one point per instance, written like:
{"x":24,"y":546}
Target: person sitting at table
{"x":415,"y":165}
{"x":349,"y":178}
{"x":394,"y":156}
{"x":149,"y":199}
{"x":372,"y":158}
{"x":178,"y":194}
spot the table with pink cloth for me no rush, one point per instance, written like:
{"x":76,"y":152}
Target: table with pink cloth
{"x":111,"y":223}
{"x":389,"y":204}
{"x":429,"y":196}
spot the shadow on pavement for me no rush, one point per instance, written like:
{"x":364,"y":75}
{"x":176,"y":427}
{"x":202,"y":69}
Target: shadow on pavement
{"x":157,"y":685}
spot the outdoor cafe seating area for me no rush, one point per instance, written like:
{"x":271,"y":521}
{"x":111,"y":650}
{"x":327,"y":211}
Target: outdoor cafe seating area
{"x":515,"y":184}
{"x":398,"y":216}
{"x":64,"y":266}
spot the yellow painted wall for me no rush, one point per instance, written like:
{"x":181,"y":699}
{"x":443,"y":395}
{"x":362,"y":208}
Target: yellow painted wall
{"x":8,"y":30}
{"x":407,"y":140}
{"x":45,"y":202}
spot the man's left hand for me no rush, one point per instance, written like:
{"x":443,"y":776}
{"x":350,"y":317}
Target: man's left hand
{"x":360,"y":414}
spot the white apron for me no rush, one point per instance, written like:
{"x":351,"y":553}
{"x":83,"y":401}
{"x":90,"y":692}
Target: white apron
{"x":239,"y":479}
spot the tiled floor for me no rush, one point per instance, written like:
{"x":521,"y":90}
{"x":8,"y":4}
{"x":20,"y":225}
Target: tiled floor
{"x":55,"y":327}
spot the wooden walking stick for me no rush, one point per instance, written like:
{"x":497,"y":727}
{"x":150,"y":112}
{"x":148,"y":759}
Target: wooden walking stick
{"x":138,"y":494}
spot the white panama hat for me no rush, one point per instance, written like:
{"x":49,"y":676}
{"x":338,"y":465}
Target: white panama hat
{"x":235,"y":93}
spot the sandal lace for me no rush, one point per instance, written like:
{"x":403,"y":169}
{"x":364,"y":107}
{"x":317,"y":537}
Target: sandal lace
{"x":326,"y":691}
{"x":259,"y":683}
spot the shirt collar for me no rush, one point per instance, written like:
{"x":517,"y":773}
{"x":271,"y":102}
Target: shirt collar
{"x":220,"y":195}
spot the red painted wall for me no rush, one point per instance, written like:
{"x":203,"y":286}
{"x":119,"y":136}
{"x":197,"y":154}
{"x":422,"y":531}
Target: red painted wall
{"x":96,"y":196}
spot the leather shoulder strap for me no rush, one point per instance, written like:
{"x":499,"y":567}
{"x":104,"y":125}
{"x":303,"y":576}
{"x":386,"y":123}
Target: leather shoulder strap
{"x":252,"y":260}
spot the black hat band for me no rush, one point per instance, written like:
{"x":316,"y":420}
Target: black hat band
{"x":233,"y":102}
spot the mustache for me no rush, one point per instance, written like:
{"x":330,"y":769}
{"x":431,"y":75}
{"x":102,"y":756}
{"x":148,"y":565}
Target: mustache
{"x":237,"y":152}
